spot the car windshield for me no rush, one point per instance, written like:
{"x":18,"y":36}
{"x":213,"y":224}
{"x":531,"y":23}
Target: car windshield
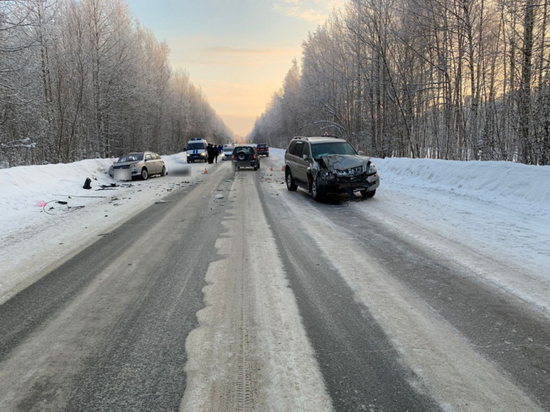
{"x":323,"y":149}
{"x":131,"y":157}
{"x":195,"y":146}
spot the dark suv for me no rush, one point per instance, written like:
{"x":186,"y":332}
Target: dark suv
{"x":324,"y":165}
{"x":245,"y":156}
{"x":263,"y":149}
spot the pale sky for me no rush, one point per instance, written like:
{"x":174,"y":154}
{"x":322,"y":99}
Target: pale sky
{"x":237,"y":51}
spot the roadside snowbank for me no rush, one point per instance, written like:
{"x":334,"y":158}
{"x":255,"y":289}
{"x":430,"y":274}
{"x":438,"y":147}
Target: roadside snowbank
{"x":496,"y":213}
{"x":515,"y":186}
{"x":33,"y":237}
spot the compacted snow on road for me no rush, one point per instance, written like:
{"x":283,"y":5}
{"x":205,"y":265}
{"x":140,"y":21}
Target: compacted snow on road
{"x":489,"y":219}
{"x":502,"y":208}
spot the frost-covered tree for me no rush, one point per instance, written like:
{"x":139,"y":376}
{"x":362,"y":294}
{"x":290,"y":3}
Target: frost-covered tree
{"x":457,"y":79}
{"x":82,"y":78}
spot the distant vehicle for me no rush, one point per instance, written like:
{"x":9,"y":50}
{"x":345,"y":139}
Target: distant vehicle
{"x":263,"y":149}
{"x":245,"y":156}
{"x":227,"y":152}
{"x":196,"y":150}
{"x":142,"y":164}
{"x":323,"y":165}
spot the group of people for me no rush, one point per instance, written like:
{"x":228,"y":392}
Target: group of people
{"x":213,"y":152}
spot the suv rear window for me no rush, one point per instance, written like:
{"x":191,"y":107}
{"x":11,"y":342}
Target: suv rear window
{"x":298,"y":149}
{"x":291,"y":147}
{"x":246,"y":149}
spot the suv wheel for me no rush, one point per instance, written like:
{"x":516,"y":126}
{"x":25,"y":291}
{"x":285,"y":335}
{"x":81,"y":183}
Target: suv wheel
{"x":317,"y":190}
{"x":290,"y":183}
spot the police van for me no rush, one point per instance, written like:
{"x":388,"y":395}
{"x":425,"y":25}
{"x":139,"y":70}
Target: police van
{"x":196,"y":150}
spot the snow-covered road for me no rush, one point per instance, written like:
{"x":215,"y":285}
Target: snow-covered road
{"x":439,"y":285}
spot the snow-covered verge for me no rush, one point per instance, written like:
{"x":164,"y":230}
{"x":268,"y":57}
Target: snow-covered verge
{"x":492,"y":218}
{"x":34,"y":237}
{"x":518,"y":187}
{"x":500,"y":209}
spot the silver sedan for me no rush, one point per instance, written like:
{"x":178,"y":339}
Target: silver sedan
{"x":142,"y":164}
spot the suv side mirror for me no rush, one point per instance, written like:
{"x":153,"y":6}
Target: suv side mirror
{"x":305,"y":157}
{"x":361,"y":153}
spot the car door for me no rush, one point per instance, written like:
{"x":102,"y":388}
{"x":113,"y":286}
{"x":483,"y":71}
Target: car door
{"x":302,"y":164}
{"x":158,"y":162}
{"x":295,"y":155}
{"x":149,"y":164}
{"x":306,"y":160}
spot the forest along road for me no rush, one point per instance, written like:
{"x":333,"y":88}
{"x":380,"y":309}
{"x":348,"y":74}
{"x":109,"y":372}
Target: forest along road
{"x":267,"y":301}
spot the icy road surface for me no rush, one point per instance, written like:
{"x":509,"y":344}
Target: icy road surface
{"x":226,"y":292}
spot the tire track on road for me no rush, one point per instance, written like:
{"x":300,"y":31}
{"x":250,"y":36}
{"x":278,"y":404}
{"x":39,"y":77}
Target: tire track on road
{"x":250,"y":351}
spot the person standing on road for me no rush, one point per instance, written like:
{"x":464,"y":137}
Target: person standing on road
{"x":210,"y":154}
{"x":216,"y":152}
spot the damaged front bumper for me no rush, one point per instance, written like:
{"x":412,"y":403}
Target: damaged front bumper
{"x":341,"y":184}
{"x":345,"y":173}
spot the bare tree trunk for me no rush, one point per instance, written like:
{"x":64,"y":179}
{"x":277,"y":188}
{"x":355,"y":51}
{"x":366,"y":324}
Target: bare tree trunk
{"x":525,"y":91}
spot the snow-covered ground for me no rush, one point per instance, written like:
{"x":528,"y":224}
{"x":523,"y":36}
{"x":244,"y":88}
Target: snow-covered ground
{"x":500,"y":208}
{"x":497,"y":214}
{"x":34,"y":237}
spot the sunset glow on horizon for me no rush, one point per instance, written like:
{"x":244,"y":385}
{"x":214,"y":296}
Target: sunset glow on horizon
{"x":237,"y":51}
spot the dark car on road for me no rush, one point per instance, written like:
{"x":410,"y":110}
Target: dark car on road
{"x":263,"y":149}
{"x":245,"y":156}
{"x":323,"y":165}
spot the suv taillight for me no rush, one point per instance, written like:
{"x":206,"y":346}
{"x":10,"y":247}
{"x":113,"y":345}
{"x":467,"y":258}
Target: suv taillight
{"x":254,"y":157}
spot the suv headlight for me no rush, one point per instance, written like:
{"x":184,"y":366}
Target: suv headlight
{"x":372,"y":168}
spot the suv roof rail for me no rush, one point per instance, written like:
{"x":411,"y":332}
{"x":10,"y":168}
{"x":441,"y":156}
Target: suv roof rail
{"x":309,"y":137}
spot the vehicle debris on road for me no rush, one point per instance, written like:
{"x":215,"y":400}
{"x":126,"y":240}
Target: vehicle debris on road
{"x":56,"y":207}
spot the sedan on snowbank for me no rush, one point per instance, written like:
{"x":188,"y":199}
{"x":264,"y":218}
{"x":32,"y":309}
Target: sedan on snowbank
{"x":137,"y":164}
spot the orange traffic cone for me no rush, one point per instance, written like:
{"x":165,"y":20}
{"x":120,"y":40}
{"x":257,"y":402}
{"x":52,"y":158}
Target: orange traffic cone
{"x":271,"y":169}
{"x":283,"y":168}
{"x":205,"y":171}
